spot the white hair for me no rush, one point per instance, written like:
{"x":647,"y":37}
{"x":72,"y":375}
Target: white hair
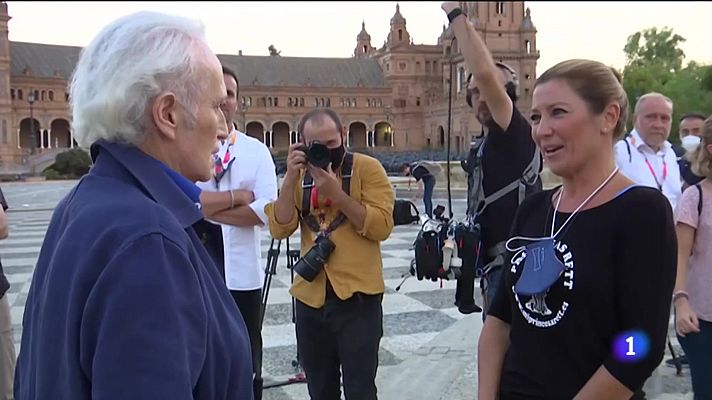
{"x":131,"y":61}
{"x":650,"y":95}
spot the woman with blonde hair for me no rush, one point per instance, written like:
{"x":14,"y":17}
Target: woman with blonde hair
{"x":582,"y":312}
{"x":692,"y":297}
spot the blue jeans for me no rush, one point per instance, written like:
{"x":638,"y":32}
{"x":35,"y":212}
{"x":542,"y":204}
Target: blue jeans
{"x":429,"y":183}
{"x":698,"y":348}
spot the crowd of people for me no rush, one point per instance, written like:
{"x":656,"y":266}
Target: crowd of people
{"x":149,"y":280}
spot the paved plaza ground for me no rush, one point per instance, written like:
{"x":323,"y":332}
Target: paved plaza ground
{"x":428,"y":347}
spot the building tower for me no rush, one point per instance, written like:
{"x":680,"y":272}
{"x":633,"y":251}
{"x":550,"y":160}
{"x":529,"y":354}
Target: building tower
{"x":398,"y":34}
{"x":363,"y":43}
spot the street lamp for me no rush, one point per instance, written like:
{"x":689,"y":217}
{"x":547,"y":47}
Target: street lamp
{"x":388,"y":130}
{"x":31,"y":99}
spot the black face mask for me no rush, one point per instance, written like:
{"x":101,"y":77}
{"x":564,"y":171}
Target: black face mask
{"x":337,"y":156}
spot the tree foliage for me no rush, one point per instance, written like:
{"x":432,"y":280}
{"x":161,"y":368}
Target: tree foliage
{"x":654,"y":63}
{"x":652,"y":46}
{"x":70,"y":164}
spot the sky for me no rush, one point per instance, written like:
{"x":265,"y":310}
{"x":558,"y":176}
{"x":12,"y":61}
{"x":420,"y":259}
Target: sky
{"x":593,"y":30}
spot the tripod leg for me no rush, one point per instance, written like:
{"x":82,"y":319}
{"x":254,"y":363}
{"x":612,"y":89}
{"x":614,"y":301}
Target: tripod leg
{"x":270,"y":270}
{"x":675,"y":359}
{"x":402,"y":282}
{"x":299,"y":377}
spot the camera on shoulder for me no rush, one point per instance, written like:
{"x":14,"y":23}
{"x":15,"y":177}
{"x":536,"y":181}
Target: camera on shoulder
{"x":309,"y":266}
{"x":317,"y":153}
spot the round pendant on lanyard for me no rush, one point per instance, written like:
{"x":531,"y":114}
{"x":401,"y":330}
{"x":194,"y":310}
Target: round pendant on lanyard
{"x":542,"y":268}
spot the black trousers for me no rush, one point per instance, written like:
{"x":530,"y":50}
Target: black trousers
{"x":343,"y":334}
{"x":250,"y":305}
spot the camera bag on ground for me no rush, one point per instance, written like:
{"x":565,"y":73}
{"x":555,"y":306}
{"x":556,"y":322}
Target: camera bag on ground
{"x":445,"y":250}
{"x":311,"y":263}
{"x":402,"y":214}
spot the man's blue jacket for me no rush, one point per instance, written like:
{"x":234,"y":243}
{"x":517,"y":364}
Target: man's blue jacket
{"x":125,"y":302}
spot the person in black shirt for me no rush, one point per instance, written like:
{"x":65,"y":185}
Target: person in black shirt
{"x":592,"y":261}
{"x":500,"y":157}
{"x":421,"y":171}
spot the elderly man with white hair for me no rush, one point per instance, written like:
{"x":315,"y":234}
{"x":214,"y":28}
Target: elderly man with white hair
{"x":645,"y":155}
{"x":125,"y":302}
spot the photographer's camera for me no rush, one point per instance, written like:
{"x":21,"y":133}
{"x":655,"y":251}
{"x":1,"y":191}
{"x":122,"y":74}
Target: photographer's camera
{"x":309,"y":266}
{"x":317,"y":154}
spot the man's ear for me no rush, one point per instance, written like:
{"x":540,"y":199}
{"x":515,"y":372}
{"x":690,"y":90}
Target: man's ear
{"x":164,"y":113}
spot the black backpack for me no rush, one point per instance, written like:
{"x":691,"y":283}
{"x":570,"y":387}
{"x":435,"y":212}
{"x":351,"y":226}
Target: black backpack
{"x":402,"y":214}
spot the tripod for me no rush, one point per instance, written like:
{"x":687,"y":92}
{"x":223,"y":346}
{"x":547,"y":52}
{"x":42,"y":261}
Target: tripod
{"x":270,"y":271}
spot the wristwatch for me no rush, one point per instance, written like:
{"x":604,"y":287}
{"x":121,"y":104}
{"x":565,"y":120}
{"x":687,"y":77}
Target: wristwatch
{"x":454,"y":14}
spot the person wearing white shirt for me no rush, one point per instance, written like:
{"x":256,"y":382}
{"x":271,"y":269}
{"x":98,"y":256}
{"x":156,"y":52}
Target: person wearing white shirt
{"x":244,"y":181}
{"x":645,"y":155}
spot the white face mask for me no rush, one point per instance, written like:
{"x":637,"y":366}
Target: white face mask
{"x":690,"y":142}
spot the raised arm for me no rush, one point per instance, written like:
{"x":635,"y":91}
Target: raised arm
{"x":480,"y":63}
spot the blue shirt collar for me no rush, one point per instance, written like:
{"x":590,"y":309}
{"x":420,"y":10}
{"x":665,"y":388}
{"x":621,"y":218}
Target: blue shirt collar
{"x":166,"y":186}
{"x":189,"y":188}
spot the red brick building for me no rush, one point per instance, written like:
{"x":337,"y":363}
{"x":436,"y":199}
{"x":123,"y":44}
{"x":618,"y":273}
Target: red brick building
{"x":394,"y":97}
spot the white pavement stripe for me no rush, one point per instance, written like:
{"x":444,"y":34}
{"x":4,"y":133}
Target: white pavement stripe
{"x":25,"y":231}
{"x":14,"y":241}
{"x":19,"y":262}
{"x":19,"y":278}
{"x":278,"y":335}
{"x":6,"y":250}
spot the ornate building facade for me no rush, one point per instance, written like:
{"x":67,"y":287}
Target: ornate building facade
{"x":391,"y":98}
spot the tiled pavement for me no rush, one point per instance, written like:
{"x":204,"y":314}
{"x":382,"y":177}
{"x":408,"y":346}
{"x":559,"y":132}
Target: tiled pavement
{"x":428,"y":348}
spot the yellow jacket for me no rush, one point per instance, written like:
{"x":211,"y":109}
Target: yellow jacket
{"x":355,"y":265}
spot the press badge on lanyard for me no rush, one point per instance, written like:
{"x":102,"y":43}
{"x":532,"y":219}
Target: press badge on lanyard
{"x":652,"y":171}
{"x":542,"y":268}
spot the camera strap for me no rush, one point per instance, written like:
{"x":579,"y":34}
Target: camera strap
{"x":308,"y":185}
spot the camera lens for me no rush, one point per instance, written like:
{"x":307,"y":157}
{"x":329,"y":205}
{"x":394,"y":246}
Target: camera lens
{"x":308,"y":267}
{"x":319,"y":155}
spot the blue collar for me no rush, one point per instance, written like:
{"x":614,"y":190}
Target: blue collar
{"x":167,"y":187}
{"x":189,"y":188}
